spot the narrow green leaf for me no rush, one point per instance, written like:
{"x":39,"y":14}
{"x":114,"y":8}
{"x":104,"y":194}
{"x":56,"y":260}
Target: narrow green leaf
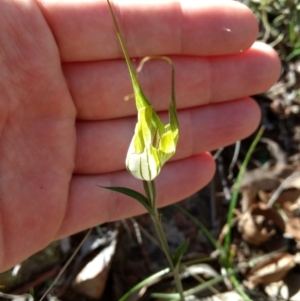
{"x":234,"y":198}
{"x":199,"y":288}
{"x":133,"y":194}
{"x":293,"y":54}
{"x":238,"y":287}
{"x":146,"y":282}
{"x":179,"y":253}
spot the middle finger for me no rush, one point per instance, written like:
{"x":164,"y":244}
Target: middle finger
{"x":98,"y":88}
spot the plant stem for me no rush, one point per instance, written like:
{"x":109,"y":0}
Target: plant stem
{"x":167,"y":251}
{"x":151,"y":194}
{"x":234,"y":198}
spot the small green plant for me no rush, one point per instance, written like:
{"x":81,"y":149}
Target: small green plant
{"x":280,"y":25}
{"x":152,"y":145}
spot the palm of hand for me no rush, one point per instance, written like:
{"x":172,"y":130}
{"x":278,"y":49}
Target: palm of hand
{"x":37,"y":135}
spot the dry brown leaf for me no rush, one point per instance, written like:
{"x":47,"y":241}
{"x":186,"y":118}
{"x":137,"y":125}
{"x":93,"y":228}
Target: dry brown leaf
{"x":264,"y":196}
{"x":295,"y":183}
{"x":248,"y":199}
{"x":289,"y":200}
{"x":260,"y":179}
{"x":271,"y":270}
{"x":267,"y":179}
{"x":91,"y":280}
{"x":287,"y":289}
{"x":259,"y":223}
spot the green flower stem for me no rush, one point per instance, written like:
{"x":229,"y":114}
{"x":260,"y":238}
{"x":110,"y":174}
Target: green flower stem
{"x":167,"y":251}
{"x":151,"y":194}
{"x":150,"y":189}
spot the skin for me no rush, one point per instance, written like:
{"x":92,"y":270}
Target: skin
{"x":65,"y":128}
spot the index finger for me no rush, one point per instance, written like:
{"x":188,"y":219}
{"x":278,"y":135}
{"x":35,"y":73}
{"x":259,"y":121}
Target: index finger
{"x":84,"y":30}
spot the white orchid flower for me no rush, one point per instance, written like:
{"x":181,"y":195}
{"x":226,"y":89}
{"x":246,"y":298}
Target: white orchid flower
{"x":153,"y":143}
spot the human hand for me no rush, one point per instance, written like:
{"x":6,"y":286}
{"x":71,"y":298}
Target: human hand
{"x":65,"y":127}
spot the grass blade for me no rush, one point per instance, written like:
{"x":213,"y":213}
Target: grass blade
{"x":233,"y":202}
{"x":148,"y":281}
